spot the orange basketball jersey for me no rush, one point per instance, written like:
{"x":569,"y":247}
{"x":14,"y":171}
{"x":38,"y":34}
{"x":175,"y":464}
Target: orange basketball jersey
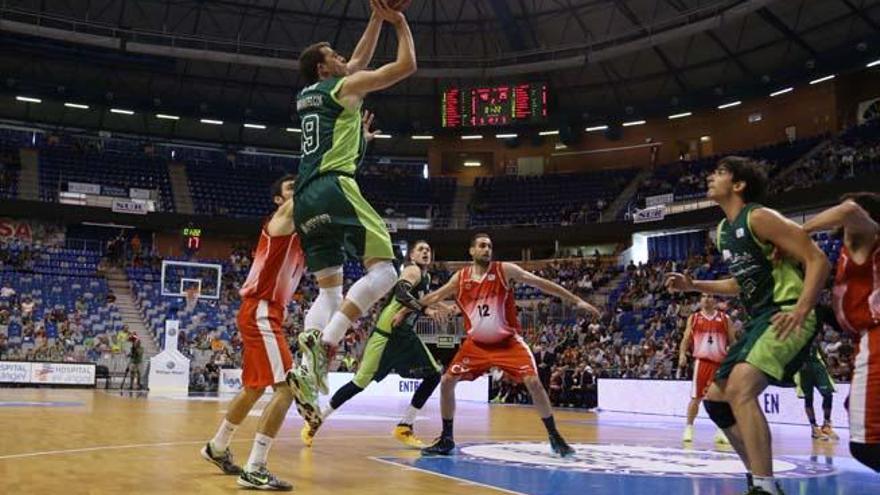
{"x":487,"y":304}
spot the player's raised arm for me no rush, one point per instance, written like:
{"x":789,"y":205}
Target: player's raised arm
{"x":359,"y":84}
{"x":366,"y":47}
{"x":848,"y":215}
{"x":790,"y":238}
{"x":515,"y":273}
{"x":448,"y":290}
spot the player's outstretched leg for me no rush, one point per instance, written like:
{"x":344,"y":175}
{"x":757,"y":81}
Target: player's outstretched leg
{"x":256,"y":474}
{"x":444,"y":444}
{"x":542,"y":403}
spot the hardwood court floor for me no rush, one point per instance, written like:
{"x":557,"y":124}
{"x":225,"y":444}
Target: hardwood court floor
{"x":91,"y":441}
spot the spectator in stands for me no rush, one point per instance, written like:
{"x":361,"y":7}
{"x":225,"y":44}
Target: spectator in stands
{"x":7,"y":292}
{"x":197,"y":381}
{"x":27,"y":309}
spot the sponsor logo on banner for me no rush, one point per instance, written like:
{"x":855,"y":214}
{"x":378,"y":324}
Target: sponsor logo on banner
{"x":15,"y":372}
{"x":230,"y":381}
{"x":659,"y":199}
{"x":119,"y":192}
{"x":650,"y":214}
{"x":390,"y":225}
{"x":84,"y":188}
{"x":637,"y":460}
{"x":14,"y":229}
{"x":131,"y":206}
{"x":63,"y":373}
{"x":136,"y":193}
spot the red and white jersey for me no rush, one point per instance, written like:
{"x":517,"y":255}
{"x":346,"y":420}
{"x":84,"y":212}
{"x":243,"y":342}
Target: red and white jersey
{"x":278,"y":265}
{"x":487,"y":304}
{"x":710,"y":336}
{"x":857,"y":291}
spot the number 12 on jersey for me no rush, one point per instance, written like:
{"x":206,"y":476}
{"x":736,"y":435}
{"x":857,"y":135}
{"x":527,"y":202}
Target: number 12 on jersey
{"x":483,"y":310}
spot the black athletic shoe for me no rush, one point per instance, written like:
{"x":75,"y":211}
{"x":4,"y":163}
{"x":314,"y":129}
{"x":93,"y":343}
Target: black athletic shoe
{"x":222,"y":460}
{"x":441,"y":446}
{"x":559,"y":446}
{"x":262,"y":479}
{"x":755,"y":490}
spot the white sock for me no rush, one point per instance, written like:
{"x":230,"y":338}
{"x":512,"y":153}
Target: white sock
{"x":223,"y":436}
{"x":259,"y":452}
{"x":335,"y":330}
{"x":410,"y":416}
{"x":768,"y":484}
{"x":327,"y":411}
{"x":324,"y":306}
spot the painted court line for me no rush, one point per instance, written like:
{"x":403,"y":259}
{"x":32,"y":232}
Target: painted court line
{"x":197,"y":442}
{"x":460,"y":480}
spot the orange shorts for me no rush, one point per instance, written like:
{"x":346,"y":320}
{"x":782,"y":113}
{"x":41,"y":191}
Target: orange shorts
{"x":512,"y":356}
{"x":266,"y":357}
{"x":704,"y":375}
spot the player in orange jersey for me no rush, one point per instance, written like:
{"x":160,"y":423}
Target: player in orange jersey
{"x":484,"y":293}
{"x":274,"y":275}
{"x":857,"y":307}
{"x":710,"y":332}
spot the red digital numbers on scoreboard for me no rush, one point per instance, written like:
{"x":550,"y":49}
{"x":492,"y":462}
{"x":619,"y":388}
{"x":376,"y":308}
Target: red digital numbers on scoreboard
{"x":451,"y":112}
{"x":494,"y":105}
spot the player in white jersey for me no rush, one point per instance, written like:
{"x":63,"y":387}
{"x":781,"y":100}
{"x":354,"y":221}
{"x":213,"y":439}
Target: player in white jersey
{"x":710,"y":332}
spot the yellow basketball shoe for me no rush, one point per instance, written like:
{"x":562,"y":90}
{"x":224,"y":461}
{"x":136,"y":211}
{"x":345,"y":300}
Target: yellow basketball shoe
{"x":405,"y":435}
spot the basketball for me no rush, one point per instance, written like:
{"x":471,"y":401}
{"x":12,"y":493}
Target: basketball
{"x":399,"y":5}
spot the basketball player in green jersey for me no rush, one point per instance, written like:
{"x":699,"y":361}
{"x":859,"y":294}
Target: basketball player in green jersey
{"x":779,"y":298}
{"x":814,"y":375}
{"x":393,"y":346}
{"x":333,"y":219}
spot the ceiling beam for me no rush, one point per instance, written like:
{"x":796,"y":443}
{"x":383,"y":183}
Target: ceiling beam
{"x":515,"y":39}
{"x":771,"y":19}
{"x":674,"y":71}
{"x":681,"y":7}
{"x":860,"y":12}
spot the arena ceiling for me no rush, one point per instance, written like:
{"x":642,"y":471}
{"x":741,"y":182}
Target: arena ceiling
{"x":235,"y":59}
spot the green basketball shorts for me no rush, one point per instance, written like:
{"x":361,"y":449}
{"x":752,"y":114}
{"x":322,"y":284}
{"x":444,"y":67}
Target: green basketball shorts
{"x":336,"y":223}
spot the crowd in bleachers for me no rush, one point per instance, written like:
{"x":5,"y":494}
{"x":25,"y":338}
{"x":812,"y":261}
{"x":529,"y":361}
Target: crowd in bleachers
{"x":55,"y":307}
{"x":854,"y":153}
{"x":549,"y":199}
{"x":686,"y":178}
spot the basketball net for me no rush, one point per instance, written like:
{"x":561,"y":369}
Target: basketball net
{"x":192,"y":297}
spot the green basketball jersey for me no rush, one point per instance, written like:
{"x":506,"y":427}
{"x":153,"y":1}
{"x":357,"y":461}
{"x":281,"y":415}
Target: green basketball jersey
{"x":332,"y":135}
{"x":765,"y":285}
{"x":418,"y":291}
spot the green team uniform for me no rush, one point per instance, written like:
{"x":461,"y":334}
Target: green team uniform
{"x":814,"y":374}
{"x":766,"y":287}
{"x":332,"y":218}
{"x":396,"y":349}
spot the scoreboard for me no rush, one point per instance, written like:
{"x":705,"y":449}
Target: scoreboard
{"x":494,"y":105}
